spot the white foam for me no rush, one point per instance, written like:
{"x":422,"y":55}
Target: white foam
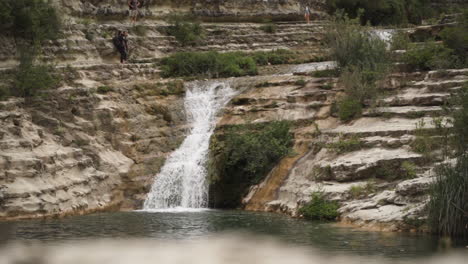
{"x":176,"y":210}
{"x":182,"y":180}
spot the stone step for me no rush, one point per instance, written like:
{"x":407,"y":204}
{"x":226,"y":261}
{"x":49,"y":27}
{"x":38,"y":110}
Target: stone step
{"x":372,"y":126}
{"x":364,"y":164}
{"x":448,"y":74}
{"x":435,"y":86}
{"x":417,"y":97}
{"x":387,"y":141}
{"x":404,"y":111}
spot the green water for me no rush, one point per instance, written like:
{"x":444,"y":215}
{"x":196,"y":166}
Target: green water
{"x":193,"y":225}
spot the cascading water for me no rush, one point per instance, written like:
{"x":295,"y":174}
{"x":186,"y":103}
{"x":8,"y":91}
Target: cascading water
{"x":182,"y":180}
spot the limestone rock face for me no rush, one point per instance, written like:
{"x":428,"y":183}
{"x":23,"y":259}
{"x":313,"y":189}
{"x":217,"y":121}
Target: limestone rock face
{"x":382,"y":184}
{"x":206,"y":8}
{"x":98,"y":141}
{"x":78,"y":151}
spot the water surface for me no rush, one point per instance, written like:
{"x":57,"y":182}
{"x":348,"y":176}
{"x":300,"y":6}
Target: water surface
{"x":200,"y":224}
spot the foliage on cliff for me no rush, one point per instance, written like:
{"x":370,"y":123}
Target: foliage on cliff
{"x":383,"y":12}
{"x":186,"y":30}
{"x":31,"y":20}
{"x":362,"y":58}
{"x":320,"y":208}
{"x":243,"y":156}
{"x":452,"y":53}
{"x":448,"y":209}
{"x":31,"y":79}
{"x":209,"y":64}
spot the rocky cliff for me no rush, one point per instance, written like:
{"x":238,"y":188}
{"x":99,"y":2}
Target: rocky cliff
{"x":96,"y":142}
{"x":207,"y":9}
{"x":383,"y":183}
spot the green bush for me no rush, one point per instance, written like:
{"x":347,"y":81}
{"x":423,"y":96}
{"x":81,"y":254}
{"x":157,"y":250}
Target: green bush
{"x":363,"y":60}
{"x":104,"y":89}
{"x":448,"y":209}
{"x":4,"y":92}
{"x":383,"y":12}
{"x":268,"y":28}
{"x":409,"y":170}
{"x":348,"y":108}
{"x":456,"y":39}
{"x":300,"y":82}
{"x":459,"y":113}
{"x":424,"y":142}
{"x":452,"y":54}
{"x":360,"y":85}
{"x":185,"y":30}
{"x":358,"y":191}
{"x":400,"y":41}
{"x":319,"y":208}
{"x":327,"y":73}
{"x":357,"y":46}
{"x":32,"y":20}
{"x":431,"y":56}
{"x":344,"y":145}
{"x":31,"y":79}
{"x":212,"y":64}
{"x":243,"y":156}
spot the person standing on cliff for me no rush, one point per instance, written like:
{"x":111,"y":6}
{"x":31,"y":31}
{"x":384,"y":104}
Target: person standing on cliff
{"x":121,"y":43}
{"x":307,"y":14}
{"x":134,"y":5}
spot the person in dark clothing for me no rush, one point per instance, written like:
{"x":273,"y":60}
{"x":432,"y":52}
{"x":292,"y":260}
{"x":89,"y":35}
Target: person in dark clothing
{"x":121,"y":43}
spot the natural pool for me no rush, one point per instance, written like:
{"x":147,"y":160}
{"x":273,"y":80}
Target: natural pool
{"x":325,"y":237}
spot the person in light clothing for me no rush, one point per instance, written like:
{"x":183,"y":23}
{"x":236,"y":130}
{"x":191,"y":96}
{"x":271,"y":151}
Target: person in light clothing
{"x":133,"y":5}
{"x":307,"y":14}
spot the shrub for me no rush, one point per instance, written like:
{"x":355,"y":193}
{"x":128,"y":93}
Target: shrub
{"x":357,"y":191}
{"x":344,"y":145}
{"x":185,"y":30}
{"x":32,"y":20}
{"x":319,"y":208}
{"x":408,"y":169}
{"x":319,"y":173}
{"x":31,"y":79}
{"x":400,"y":41}
{"x":363,"y":59}
{"x":300,"y":82}
{"x":448,"y":209}
{"x":243,"y":156}
{"x":430,"y":56}
{"x":424,"y":142}
{"x":279,"y":56}
{"x":360,"y":85}
{"x":383,"y":12}
{"x":328,"y":73}
{"x":356,"y":46}
{"x":104,"y":89}
{"x":212,"y":64}
{"x":348,"y":108}
{"x":268,"y":28}
{"x":459,"y":113}
{"x":4,"y":92}
{"x":456,"y":39}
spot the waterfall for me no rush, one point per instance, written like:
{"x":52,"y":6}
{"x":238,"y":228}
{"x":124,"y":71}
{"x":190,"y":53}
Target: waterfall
{"x":181,"y":182}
